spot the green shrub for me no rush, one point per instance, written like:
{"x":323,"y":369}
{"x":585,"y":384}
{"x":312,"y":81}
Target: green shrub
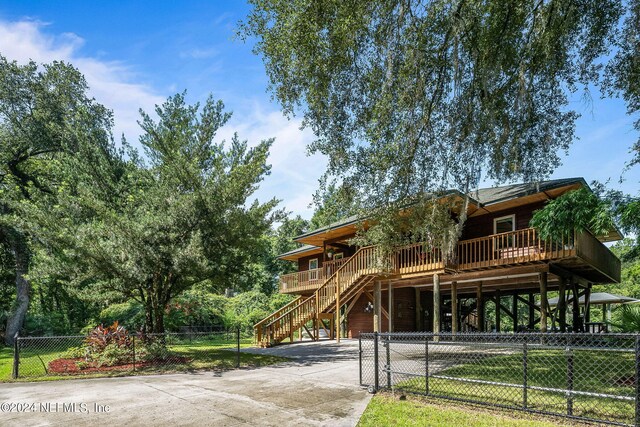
{"x":129,"y":314}
{"x":195,"y":308}
{"x":577,"y":210}
{"x":248,"y":308}
{"x":83,"y":364}
{"x":108,"y":346}
{"x":77,"y":352}
{"x":113,"y":354}
{"x":101,"y":337}
{"x":627,"y":319}
{"x":154,"y":349}
{"x":46,"y":324}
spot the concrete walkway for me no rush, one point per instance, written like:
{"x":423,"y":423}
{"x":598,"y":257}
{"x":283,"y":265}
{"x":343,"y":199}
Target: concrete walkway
{"x":318,"y":387}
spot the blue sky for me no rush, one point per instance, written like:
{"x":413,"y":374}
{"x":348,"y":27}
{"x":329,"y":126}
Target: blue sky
{"x":135,"y":54}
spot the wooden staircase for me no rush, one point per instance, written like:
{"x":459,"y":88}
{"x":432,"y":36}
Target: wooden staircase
{"x":336,"y":290}
{"x":469,"y":316}
{"x":260,"y":326}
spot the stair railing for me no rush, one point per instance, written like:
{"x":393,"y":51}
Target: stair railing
{"x":361,"y":263}
{"x":259,"y":328}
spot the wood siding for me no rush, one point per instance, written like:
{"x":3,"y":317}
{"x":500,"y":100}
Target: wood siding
{"x":404,"y":313}
{"x":303,"y":263}
{"x":481,"y":226}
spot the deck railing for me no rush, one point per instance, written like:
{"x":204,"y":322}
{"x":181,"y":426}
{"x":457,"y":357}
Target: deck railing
{"x":302,"y":280}
{"x":514,"y":247}
{"x":289,"y":321}
{"x":416,"y":258}
{"x":259,"y":327}
{"x":593,"y":251}
{"x":511,"y":248}
{"x":361,"y":264}
{"x":330,"y":267}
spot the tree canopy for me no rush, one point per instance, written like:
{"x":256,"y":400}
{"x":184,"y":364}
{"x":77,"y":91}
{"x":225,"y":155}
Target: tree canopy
{"x":181,"y":216}
{"x":46,"y":119}
{"x":410,"y":98}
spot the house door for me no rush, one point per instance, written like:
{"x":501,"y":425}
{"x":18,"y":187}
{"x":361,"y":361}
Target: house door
{"x":313,"y":269}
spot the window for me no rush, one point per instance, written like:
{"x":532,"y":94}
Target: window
{"x":504,"y":224}
{"x":338,"y":256}
{"x":313,"y":269}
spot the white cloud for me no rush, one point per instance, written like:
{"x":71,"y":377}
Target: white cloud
{"x":111,"y":82}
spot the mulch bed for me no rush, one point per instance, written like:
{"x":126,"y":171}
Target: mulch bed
{"x":70,"y":366}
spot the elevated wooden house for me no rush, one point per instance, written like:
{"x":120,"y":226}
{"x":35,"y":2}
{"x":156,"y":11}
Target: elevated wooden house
{"x":500,"y":261}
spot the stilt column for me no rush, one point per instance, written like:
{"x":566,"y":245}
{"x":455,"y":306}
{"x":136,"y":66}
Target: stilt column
{"x":562,"y":305}
{"x":338,"y":322}
{"x":532,"y":311}
{"x":419,"y":325}
{"x":498,"y":309}
{"x":377,"y":307}
{"x":544,"y":302}
{"x":390,"y":308}
{"x":575,"y":307}
{"x":514,"y":311}
{"x":480,"y":308}
{"x":436,"y":304}
{"x":454,"y":307}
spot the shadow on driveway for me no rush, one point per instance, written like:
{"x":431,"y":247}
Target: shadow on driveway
{"x":317,"y":387}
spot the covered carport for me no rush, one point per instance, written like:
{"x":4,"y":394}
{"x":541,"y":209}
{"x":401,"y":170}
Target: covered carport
{"x":604,"y":299}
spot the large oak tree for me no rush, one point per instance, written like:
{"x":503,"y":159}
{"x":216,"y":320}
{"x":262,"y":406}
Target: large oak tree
{"x":409,"y":98}
{"x":46,"y":118}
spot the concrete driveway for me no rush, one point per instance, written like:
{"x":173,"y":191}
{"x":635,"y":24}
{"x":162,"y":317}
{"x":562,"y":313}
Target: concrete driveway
{"x":318,"y":387}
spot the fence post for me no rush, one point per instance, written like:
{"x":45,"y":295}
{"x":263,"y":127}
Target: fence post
{"x":376,"y":362}
{"x":388,"y":364}
{"x":637,"y":380}
{"x":360,"y":357}
{"x":133,"y":341}
{"x":426,"y":364}
{"x":238,"y":347}
{"x":524,"y":372}
{"x":569,"y":353}
{"x":16,"y":355}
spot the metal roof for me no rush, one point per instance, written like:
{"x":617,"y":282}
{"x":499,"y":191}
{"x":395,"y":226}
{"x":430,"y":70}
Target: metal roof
{"x":599,"y":298}
{"x":303,"y":248}
{"x":482,"y":197}
{"x":492,"y":195}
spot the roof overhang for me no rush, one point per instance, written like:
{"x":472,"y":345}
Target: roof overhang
{"x":300,"y":252}
{"x":543,"y":195}
{"x":349,"y":226}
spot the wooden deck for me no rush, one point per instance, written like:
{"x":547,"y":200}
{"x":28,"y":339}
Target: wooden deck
{"x":581,"y":251}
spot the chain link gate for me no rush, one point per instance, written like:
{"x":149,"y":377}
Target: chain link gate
{"x":591,"y":377}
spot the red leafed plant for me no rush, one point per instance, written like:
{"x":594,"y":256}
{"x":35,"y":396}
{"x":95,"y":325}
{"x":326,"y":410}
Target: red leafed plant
{"x":100,"y":337}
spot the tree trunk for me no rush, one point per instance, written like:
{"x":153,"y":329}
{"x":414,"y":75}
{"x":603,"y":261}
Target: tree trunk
{"x":158,"y":295}
{"x":158,"y":322}
{"x":148,"y":315}
{"x":23,"y":288}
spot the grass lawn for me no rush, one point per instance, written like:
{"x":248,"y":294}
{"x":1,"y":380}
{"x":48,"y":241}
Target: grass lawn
{"x":386,"y":410}
{"x":594,"y":371}
{"x":215,"y":353}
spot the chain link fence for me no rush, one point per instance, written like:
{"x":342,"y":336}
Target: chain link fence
{"x":591,"y":377}
{"x":39,"y":357}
